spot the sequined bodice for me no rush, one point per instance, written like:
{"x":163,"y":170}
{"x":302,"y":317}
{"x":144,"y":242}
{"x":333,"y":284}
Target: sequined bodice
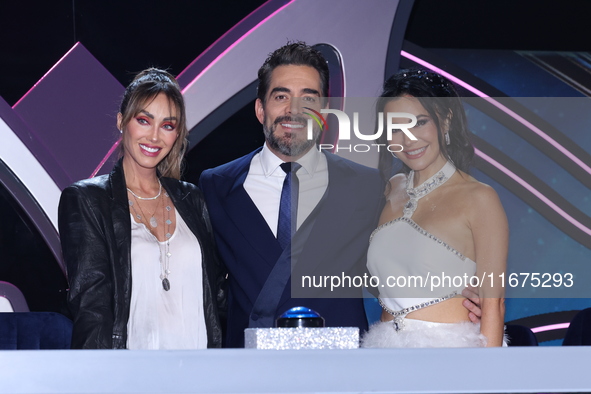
{"x":415,"y":268}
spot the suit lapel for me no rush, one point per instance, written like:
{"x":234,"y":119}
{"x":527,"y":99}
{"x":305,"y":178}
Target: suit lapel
{"x":316,"y":239}
{"x":244,"y":213}
{"x":330,"y":216}
{"x":308,"y":244}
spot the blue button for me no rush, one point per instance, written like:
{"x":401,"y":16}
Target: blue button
{"x":299,"y":312}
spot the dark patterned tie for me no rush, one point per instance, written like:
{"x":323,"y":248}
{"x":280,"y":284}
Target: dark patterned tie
{"x":288,"y":207}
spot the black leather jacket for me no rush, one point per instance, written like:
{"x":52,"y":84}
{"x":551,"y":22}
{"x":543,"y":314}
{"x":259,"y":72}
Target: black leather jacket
{"x":95,"y":230}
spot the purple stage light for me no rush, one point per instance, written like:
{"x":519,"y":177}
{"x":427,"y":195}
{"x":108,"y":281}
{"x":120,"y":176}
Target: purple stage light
{"x":533,"y":191}
{"x":500,"y":106}
{"x":550,"y":327}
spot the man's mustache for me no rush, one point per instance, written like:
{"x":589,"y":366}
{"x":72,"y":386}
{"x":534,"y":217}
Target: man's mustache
{"x":291,"y":118}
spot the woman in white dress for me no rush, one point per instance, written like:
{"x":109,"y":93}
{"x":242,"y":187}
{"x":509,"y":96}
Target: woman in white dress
{"x":439,"y":228}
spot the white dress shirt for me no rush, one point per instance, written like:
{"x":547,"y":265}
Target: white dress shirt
{"x":265,"y":181}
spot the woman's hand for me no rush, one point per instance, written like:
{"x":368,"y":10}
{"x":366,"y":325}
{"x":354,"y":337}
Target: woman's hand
{"x":472,"y":303}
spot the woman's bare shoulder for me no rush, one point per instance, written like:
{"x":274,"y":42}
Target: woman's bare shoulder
{"x":478,"y":196}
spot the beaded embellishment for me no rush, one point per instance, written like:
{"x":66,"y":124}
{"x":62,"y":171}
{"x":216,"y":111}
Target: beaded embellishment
{"x":426,"y":187}
{"x":406,"y":311}
{"x":398,"y":323}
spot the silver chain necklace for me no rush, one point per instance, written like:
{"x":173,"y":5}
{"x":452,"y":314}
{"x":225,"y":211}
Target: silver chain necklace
{"x":147,"y":198}
{"x":153,"y":222}
{"x":165,"y":267}
{"x":165,"y":254}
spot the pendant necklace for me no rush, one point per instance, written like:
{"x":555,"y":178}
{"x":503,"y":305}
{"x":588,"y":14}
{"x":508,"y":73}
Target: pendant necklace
{"x":165,"y":266}
{"x":153,"y":222}
{"x":165,"y":254}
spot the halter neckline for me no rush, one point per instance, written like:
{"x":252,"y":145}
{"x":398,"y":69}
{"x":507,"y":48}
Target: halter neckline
{"x":426,"y":187}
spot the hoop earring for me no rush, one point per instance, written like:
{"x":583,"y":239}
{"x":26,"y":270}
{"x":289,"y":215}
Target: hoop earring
{"x":447,"y":139}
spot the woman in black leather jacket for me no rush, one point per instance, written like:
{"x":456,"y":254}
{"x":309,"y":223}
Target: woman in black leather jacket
{"x":138,"y":246}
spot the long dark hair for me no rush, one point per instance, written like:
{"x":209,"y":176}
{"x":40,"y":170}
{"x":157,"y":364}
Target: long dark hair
{"x":141,"y":91}
{"x":440,"y":99}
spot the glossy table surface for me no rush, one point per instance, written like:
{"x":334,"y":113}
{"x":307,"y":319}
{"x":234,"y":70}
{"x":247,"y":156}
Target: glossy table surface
{"x":539,"y":369}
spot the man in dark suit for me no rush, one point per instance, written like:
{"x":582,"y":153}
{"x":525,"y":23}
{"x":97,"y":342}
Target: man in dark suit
{"x":338,"y":204}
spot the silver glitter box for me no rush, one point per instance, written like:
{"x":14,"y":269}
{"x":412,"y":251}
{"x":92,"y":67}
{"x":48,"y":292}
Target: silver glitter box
{"x":302,"y":338}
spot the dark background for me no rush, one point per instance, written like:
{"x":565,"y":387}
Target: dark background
{"x":129,"y":35}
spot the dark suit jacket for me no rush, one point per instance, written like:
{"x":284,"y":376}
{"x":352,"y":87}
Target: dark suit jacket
{"x":95,"y":230}
{"x":332,"y":241}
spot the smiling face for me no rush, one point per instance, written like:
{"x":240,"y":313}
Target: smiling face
{"x":150,"y":135}
{"x":423,"y":155}
{"x":291,"y":88}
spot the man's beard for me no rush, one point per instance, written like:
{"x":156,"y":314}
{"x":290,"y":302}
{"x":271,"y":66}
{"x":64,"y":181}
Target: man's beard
{"x":289,"y":146}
